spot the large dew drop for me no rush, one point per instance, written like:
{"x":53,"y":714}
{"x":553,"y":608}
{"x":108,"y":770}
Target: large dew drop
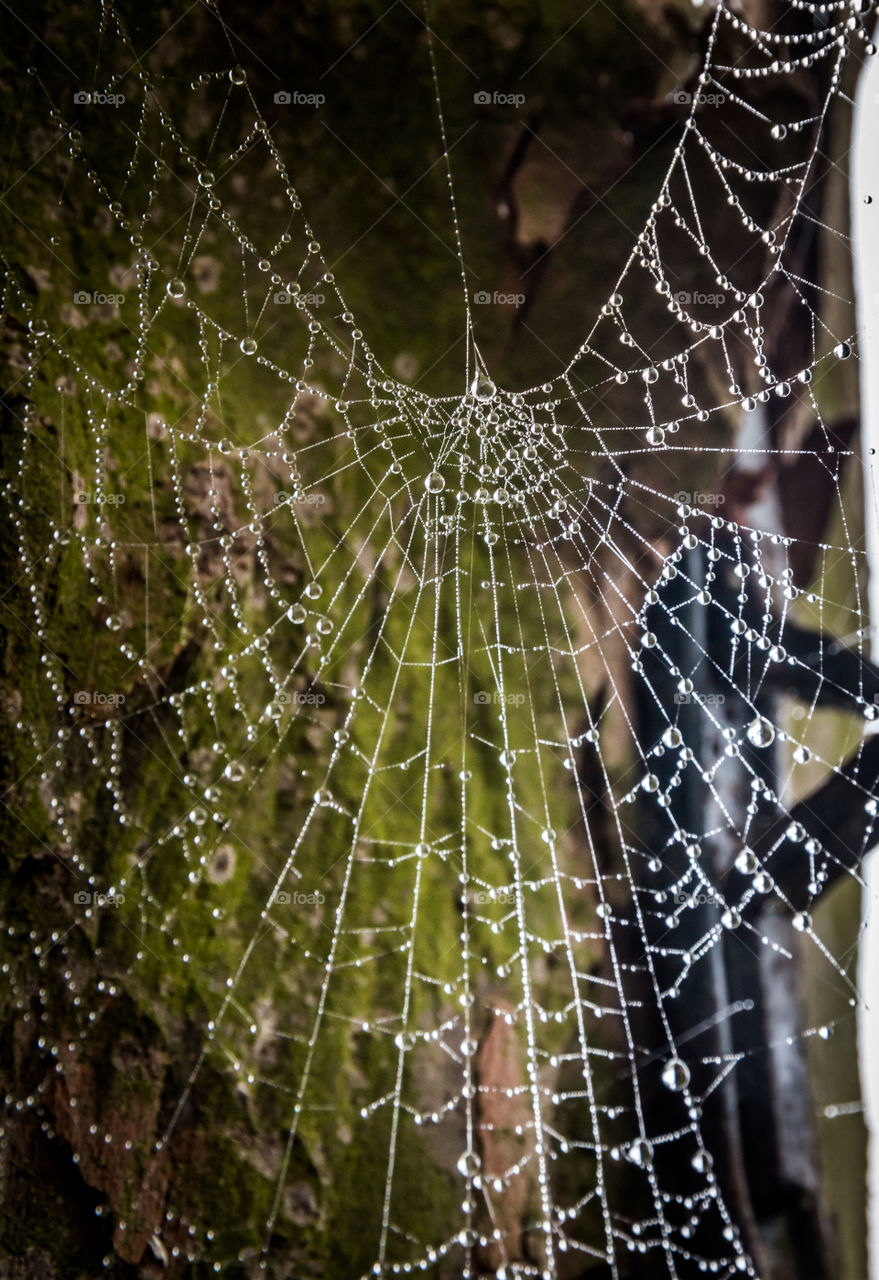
{"x":640,"y":1153}
{"x":483,"y":388}
{"x":675,"y":1075}
{"x":469,"y":1164}
{"x":761,"y":733}
{"x":435,"y":482}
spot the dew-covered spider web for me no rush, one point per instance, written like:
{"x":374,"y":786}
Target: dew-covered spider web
{"x":441,"y":774}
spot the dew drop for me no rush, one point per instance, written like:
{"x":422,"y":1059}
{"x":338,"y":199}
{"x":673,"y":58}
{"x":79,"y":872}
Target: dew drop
{"x":483,"y":388}
{"x":640,"y":1152}
{"x":760,"y":733}
{"x":747,"y":862}
{"x":469,"y":1164}
{"x":675,"y":1075}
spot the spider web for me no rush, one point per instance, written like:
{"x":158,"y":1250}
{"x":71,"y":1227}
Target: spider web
{"x":511,"y":731}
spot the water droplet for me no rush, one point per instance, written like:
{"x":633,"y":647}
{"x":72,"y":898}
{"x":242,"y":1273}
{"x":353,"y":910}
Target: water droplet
{"x":640,"y":1152}
{"x":237,"y":75}
{"x":297,"y":613}
{"x":731,"y":919}
{"x":323,"y":797}
{"x":842,"y":351}
{"x":175,"y":288}
{"x":760,"y":733}
{"x":655,"y":435}
{"x":248,"y":346}
{"x":672,"y":737}
{"x":802,"y":921}
{"x":483,"y":388}
{"x":779,"y":132}
{"x":702,"y":1162}
{"x":469,"y":1164}
{"x":747,"y":862}
{"x":802,"y":755}
{"x":675,"y":1075}
{"x":435,"y":482}
{"x":206,"y":178}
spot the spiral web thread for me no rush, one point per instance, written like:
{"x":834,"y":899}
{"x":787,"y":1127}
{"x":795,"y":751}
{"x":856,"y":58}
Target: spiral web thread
{"x":485,"y":532}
